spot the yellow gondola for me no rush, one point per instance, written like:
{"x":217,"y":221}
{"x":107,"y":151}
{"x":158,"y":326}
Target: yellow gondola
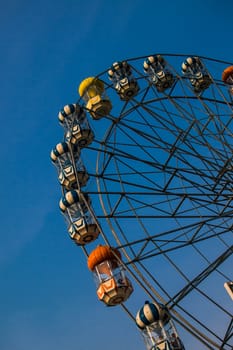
{"x":93,"y":93}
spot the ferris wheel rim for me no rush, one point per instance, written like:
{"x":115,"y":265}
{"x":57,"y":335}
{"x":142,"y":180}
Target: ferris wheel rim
{"x":163,"y":183}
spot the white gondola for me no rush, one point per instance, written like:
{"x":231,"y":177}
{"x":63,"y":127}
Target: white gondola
{"x":160,"y":76}
{"x":81,"y":225}
{"x":193,"y":69}
{"x":71,"y":171}
{"x":157,"y":328}
{"x":123,"y":80}
{"x":77,"y":129}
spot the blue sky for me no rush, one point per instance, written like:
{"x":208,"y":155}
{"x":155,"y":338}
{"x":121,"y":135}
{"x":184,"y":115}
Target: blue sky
{"x":47,"y":48}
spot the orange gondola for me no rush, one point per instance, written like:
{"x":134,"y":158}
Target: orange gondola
{"x":113,"y":287}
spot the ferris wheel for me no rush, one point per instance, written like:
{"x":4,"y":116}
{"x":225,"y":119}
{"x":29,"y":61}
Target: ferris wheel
{"x":146,"y":173}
